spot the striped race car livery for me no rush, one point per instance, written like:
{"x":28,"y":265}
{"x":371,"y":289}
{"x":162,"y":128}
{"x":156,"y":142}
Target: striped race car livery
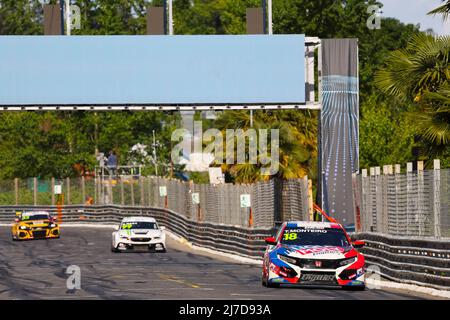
{"x":313,"y":254}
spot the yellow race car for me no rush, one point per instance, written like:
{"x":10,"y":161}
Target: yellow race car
{"x":34,"y":225}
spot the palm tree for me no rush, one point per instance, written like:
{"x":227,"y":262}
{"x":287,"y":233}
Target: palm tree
{"x":420,"y":75}
{"x":434,"y":121}
{"x":443,"y":9}
{"x":297,"y":143}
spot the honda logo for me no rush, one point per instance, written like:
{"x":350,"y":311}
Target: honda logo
{"x":318,"y":263}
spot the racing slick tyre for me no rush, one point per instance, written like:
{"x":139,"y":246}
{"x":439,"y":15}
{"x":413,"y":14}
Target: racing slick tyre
{"x":114,"y":250}
{"x":267,"y":284}
{"x":273,"y":285}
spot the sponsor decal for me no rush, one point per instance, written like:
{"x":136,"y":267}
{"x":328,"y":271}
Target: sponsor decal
{"x":317,"y":277}
{"x":319,"y":250}
{"x":356,"y":283}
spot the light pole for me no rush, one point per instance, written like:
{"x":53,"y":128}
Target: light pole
{"x":154,"y":153}
{"x":68,"y":18}
{"x":170,"y":9}
{"x":269,"y":16}
{"x":61,"y":9}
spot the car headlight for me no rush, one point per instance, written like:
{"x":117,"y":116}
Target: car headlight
{"x":52,"y":225}
{"x":287,"y":259}
{"x":23,"y":228}
{"x":156,"y":238}
{"x":348,"y":261}
{"x":125,"y":237}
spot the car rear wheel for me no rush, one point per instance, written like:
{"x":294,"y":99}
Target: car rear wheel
{"x":115,"y":250}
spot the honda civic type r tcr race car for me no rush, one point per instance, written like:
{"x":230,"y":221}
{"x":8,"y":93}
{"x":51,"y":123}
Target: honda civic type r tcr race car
{"x":34,"y":225}
{"x":139,"y":233}
{"x":313,"y":254}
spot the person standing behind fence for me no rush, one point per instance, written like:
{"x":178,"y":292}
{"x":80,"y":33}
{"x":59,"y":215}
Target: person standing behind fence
{"x":111,"y":163}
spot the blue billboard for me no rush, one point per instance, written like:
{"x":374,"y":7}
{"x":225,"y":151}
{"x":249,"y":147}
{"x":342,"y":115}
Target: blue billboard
{"x":152,"y":70}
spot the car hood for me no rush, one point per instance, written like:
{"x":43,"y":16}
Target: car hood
{"x":316,"y":252}
{"x":140,"y":233}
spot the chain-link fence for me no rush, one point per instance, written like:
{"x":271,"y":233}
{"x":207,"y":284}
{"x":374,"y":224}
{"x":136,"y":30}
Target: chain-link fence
{"x":413,"y":204}
{"x":270,"y":201}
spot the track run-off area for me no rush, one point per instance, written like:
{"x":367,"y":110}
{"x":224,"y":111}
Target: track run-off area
{"x":37,"y":270}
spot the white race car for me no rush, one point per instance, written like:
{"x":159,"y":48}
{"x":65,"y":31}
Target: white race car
{"x":139,"y":233}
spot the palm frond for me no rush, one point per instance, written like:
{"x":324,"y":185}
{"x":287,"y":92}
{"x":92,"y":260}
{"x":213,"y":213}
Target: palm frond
{"x":444,"y":10}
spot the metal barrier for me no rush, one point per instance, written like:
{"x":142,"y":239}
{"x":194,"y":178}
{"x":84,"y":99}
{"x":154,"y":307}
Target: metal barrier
{"x":246,"y":242}
{"x":273,"y":200}
{"x":414,"y":203}
{"x":408,"y":260}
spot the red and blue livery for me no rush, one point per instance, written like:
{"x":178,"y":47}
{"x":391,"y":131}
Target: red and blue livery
{"x":309,"y":253}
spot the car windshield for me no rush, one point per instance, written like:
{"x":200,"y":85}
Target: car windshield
{"x":138,"y":225}
{"x":315,"y":237}
{"x":32,"y":217}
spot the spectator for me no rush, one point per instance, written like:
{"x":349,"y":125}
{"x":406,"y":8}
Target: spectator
{"x":111,"y":163}
{"x":89,"y":201}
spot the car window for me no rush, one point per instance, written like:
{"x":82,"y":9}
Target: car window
{"x":138,"y":225}
{"x":315,"y":237}
{"x":32,"y":217}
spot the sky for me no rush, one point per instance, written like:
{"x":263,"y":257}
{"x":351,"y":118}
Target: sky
{"x":415,"y":11}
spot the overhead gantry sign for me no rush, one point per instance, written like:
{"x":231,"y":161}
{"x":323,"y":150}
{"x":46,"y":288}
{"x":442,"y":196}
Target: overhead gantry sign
{"x":152,"y":72}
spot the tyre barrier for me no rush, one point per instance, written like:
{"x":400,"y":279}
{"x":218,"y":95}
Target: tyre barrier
{"x":245,"y":242}
{"x":418,"y":261}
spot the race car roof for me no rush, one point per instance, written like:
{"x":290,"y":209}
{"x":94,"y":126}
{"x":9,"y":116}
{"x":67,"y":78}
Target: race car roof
{"x":138,"y":219}
{"x":312,"y":224}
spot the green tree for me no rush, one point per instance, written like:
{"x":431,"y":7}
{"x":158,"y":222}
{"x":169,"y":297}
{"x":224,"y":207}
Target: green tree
{"x":21,"y":17}
{"x":297,"y":144}
{"x":419,"y":75}
{"x":111,"y":17}
{"x":387,"y":134}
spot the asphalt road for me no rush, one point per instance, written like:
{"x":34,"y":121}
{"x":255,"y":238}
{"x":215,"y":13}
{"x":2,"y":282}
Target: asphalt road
{"x":37,"y":270}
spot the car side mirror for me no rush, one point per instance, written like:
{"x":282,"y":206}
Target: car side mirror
{"x":271,"y":241}
{"x":16,"y":220}
{"x":358,"y":244}
{"x":163,"y":228}
{"x":116,"y":228}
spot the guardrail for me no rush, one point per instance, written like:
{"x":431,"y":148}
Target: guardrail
{"x":246,"y":242}
{"x":424,"y":262}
